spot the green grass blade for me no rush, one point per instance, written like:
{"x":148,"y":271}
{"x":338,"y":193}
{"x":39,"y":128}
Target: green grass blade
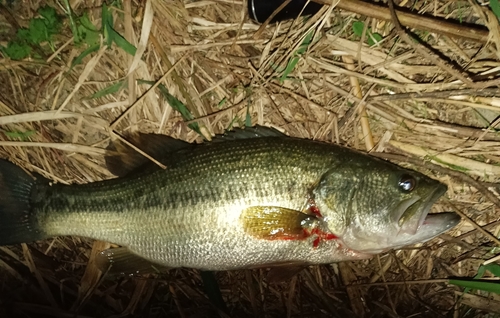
{"x":177,"y":105}
{"x":289,"y":68}
{"x":121,"y":42}
{"x":110,"y":34}
{"x":493,"y":268}
{"x":248,"y":118}
{"x":82,"y":55}
{"x":295,"y":59}
{"x":23,"y":135}
{"x":450,"y":165}
{"x":212,"y":290}
{"x":484,"y":285}
{"x":222,"y":102}
{"x":107,"y":24}
{"x":109,"y":90}
{"x":495,"y":7}
{"x":72,"y":23}
{"x":480,"y":272}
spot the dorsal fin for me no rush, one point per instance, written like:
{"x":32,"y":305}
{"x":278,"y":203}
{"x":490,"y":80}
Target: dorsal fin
{"x":122,"y":159}
{"x":248,"y":133}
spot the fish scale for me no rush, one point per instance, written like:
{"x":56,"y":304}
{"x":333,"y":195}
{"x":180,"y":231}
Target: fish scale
{"x":237,"y":203}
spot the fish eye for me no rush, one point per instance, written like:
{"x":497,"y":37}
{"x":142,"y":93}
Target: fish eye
{"x":407,"y":183}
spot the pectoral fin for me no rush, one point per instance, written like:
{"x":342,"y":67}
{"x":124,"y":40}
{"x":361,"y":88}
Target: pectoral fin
{"x":121,"y":261}
{"x":277,"y":223}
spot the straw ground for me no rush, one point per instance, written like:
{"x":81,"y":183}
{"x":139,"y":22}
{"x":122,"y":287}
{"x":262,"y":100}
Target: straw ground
{"x":349,"y":74}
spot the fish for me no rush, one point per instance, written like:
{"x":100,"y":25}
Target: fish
{"x":250,"y":198}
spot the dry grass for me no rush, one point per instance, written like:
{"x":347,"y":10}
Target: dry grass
{"x":394,"y":97}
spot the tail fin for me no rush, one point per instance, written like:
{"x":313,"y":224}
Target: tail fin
{"x":17,"y":221}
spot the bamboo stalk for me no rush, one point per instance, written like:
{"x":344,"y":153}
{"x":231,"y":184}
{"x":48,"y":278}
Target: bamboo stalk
{"x":363,"y":116}
{"x":414,"y":20}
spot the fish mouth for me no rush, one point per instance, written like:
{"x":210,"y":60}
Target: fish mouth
{"x":413,"y":211}
{"x":417,"y":225}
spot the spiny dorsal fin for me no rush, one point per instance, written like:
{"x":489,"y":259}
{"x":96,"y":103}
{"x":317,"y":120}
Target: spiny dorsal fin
{"x":122,"y":159}
{"x":248,"y":133}
{"x":277,"y":223}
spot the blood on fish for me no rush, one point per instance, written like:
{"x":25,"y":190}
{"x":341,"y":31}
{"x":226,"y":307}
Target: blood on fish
{"x":330,"y":236}
{"x":321,"y":236}
{"x":316,"y":242}
{"x":314,"y":210}
{"x":282,"y":234}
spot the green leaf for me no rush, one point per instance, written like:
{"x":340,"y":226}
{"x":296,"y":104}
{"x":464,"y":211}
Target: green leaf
{"x":107,"y":24}
{"x":371,"y":38}
{"x":495,"y":7}
{"x":38,"y":32}
{"x":52,"y":19}
{"x":17,"y":50}
{"x":480,"y":272}
{"x":109,"y":90}
{"x":493,"y":268}
{"x":86,"y":23}
{"x":87,"y":31}
{"x":23,"y":35}
{"x":374,"y":38}
{"x":358,"y":27}
{"x":43,"y":29}
{"x":294,"y":60}
{"x":484,"y":285}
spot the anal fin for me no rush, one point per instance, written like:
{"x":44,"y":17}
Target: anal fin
{"x":121,"y":261}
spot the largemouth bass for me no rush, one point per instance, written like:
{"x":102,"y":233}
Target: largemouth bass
{"x":252,"y":198}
